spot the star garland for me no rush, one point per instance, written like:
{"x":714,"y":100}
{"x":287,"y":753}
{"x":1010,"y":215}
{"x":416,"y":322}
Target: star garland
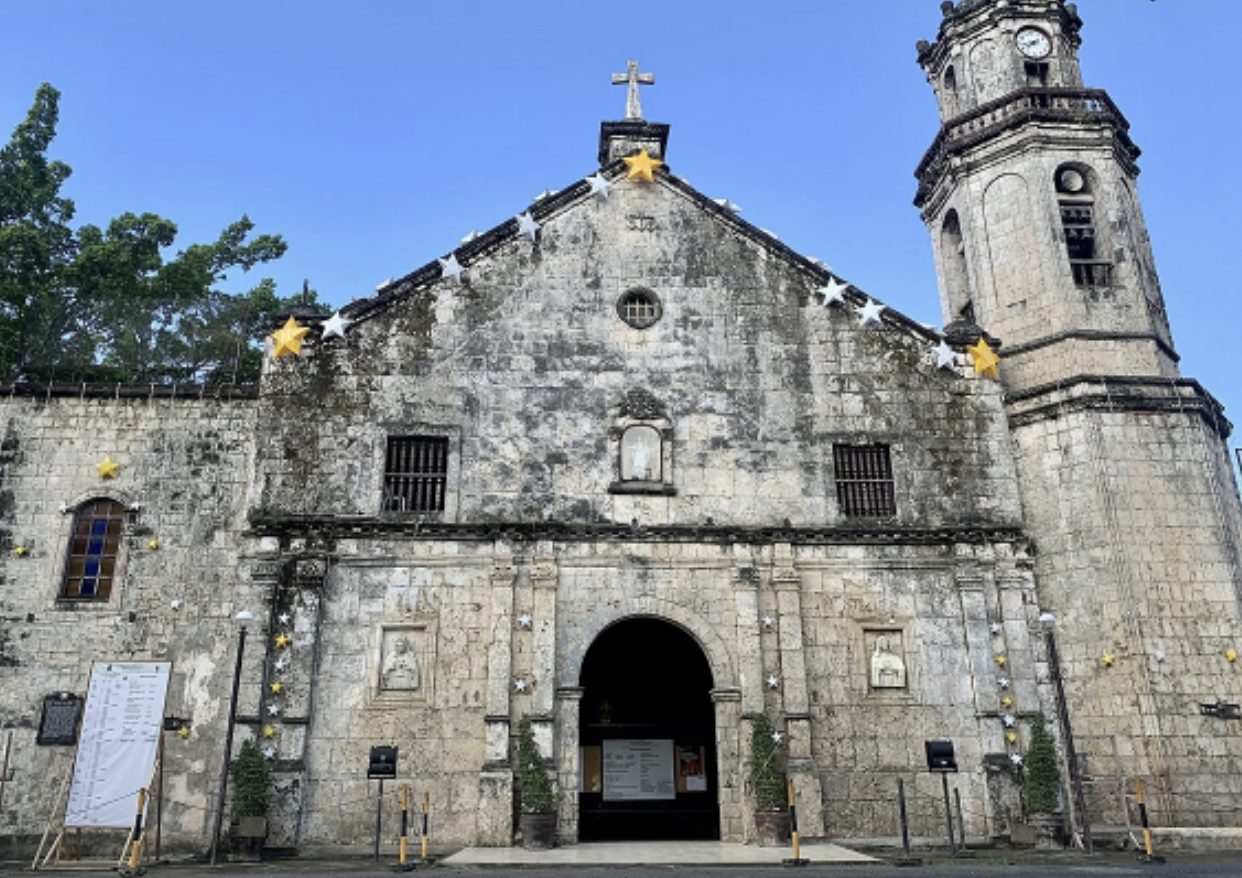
{"x":278,"y":688}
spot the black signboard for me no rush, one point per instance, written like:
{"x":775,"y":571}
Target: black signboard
{"x":940,"y":756}
{"x":62,"y":713}
{"x":383,"y":762}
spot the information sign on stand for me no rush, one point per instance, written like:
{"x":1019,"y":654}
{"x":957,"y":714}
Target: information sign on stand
{"x":119,"y":741}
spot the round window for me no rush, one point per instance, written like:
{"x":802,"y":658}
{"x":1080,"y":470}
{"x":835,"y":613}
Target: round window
{"x":639,"y":308}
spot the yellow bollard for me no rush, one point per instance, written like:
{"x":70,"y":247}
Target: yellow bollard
{"x":403,"y":845}
{"x":135,"y":849}
{"x":423,"y":838}
{"x":1150,"y":855}
{"x":796,"y":860}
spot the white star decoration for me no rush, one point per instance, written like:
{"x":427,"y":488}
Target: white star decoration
{"x":773,"y":681}
{"x":599,"y":186}
{"x":1015,"y":759}
{"x":519,"y":685}
{"x":731,"y":206}
{"x":777,"y":737}
{"x":834,"y":292}
{"x":1003,"y":682}
{"x":870,"y":313}
{"x":470,"y":236}
{"x":546,"y":193}
{"x":525,"y":621}
{"x":945,"y":358}
{"x":269,"y":752}
{"x":282,"y":663}
{"x":451,"y":268}
{"x":176,"y":604}
{"x":273,"y":708}
{"x":335,"y":326}
{"x":283,"y":618}
{"x":995,"y":627}
{"x":768,"y":621}
{"x":64,"y":507}
{"x":527,"y":225}
{"x":1008,"y":720}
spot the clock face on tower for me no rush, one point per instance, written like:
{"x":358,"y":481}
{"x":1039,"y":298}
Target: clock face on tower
{"x":1033,"y":43}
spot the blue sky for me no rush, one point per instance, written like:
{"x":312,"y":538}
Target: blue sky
{"x":374,"y":135}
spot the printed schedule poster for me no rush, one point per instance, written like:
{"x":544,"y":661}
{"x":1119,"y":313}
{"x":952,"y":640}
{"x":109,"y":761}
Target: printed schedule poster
{"x":116,"y":749}
{"x":638,"y":769}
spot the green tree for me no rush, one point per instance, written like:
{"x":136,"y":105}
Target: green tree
{"x":767,"y":775}
{"x":1043,"y":780}
{"x":252,"y":783}
{"x":107,"y":304}
{"x":538,"y":794}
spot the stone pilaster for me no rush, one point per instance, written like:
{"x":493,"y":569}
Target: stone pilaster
{"x":566,"y":754}
{"x":495,"y":818}
{"x":735,"y":824}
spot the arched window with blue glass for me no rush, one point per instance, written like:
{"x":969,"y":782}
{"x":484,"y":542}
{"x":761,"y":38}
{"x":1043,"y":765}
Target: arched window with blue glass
{"x":90,"y":562}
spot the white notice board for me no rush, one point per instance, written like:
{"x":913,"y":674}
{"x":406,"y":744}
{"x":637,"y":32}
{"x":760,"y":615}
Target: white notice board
{"x":120,"y":736}
{"x":638,"y":769}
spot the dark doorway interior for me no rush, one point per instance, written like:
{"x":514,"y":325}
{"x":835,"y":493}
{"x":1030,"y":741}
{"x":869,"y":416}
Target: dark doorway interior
{"x":648,"y":680}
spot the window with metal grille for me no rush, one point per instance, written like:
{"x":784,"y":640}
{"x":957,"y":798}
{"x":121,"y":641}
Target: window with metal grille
{"x":864,"y":476}
{"x":90,"y":561}
{"x":639,"y":308}
{"x":415,"y":473}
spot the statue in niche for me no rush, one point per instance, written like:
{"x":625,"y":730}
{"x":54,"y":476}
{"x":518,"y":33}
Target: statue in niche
{"x":400,"y":670}
{"x":640,"y":450}
{"x":888,"y":671}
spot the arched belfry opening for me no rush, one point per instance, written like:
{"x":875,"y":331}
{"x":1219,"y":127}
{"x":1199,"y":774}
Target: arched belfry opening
{"x":648,"y":736}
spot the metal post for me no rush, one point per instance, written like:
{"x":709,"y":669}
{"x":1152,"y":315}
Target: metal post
{"x":961,"y":824}
{"x":948,"y":814}
{"x":4,"y":770}
{"x":1067,"y":740}
{"x":159,"y":803}
{"x":1149,"y":849}
{"x":794,"y":836}
{"x":403,"y":845}
{"x":135,"y":842}
{"x":905,"y":823}
{"x":228,"y":745}
{"x":379,"y":817}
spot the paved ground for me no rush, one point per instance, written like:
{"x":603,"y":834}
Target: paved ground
{"x":985,"y":864}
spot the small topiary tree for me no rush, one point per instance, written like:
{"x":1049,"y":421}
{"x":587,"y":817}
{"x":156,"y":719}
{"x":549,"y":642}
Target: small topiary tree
{"x":252,"y":783}
{"x":535,"y":783}
{"x":767,"y":774}
{"x":1043,"y":779}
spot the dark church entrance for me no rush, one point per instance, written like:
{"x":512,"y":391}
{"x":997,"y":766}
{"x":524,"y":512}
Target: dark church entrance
{"x":648,"y":736}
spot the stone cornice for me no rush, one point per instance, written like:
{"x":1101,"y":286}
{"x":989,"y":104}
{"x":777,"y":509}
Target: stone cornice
{"x":335,"y":527}
{"x":85,"y":390}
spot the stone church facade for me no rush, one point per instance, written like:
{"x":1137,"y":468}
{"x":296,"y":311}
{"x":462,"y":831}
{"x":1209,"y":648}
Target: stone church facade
{"x":645,"y":473}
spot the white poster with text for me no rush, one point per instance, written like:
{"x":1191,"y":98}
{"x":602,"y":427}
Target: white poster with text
{"x":120,"y":737}
{"x":636,"y":769}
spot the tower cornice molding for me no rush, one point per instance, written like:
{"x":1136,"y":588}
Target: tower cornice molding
{"x":1056,"y":106}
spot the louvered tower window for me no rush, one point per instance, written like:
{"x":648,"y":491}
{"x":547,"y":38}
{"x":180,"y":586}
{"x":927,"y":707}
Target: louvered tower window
{"x":864,"y":476}
{"x":416,"y":473}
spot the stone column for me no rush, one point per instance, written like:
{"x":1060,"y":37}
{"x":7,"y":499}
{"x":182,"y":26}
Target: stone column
{"x":543,"y":579}
{"x":801,"y":765}
{"x":566,"y":754}
{"x":735,"y":824}
{"x":495,"y":817}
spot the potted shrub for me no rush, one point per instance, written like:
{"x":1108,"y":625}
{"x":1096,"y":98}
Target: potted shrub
{"x":1041,"y":792}
{"x":252,"y":796}
{"x":538,"y":797}
{"x":767,"y":780}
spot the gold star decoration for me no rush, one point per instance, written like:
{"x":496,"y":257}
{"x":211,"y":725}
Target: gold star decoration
{"x":641,"y":166}
{"x":1007,"y":701}
{"x":282,"y":640}
{"x":183,"y":733}
{"x":1011,"y":737}
{"x":985,"y":359}
{"x":287,"y":341}
{"x":1108,"y":659}
{"x":277,"y":687}
{"x":107,"y":467}
{"x":153,"y":544}
{"x":20,"y":551}
{"x":1231,"y":655}
{"x":269,"y":731}
{"x":1001,"y":660}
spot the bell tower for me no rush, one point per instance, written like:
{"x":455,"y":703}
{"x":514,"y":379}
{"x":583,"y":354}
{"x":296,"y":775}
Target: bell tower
{"x":1029,"y":192}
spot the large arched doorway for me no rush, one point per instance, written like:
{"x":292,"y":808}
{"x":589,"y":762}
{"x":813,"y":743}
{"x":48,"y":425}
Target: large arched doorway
{"x":648,"y":736}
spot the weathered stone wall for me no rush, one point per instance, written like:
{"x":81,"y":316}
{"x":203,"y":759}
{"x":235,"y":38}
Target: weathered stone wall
{"x":184,"y":468}
{"x":1138,"y":529}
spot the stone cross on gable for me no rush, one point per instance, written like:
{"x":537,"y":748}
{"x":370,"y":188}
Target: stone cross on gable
{"x":632,"y":78}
